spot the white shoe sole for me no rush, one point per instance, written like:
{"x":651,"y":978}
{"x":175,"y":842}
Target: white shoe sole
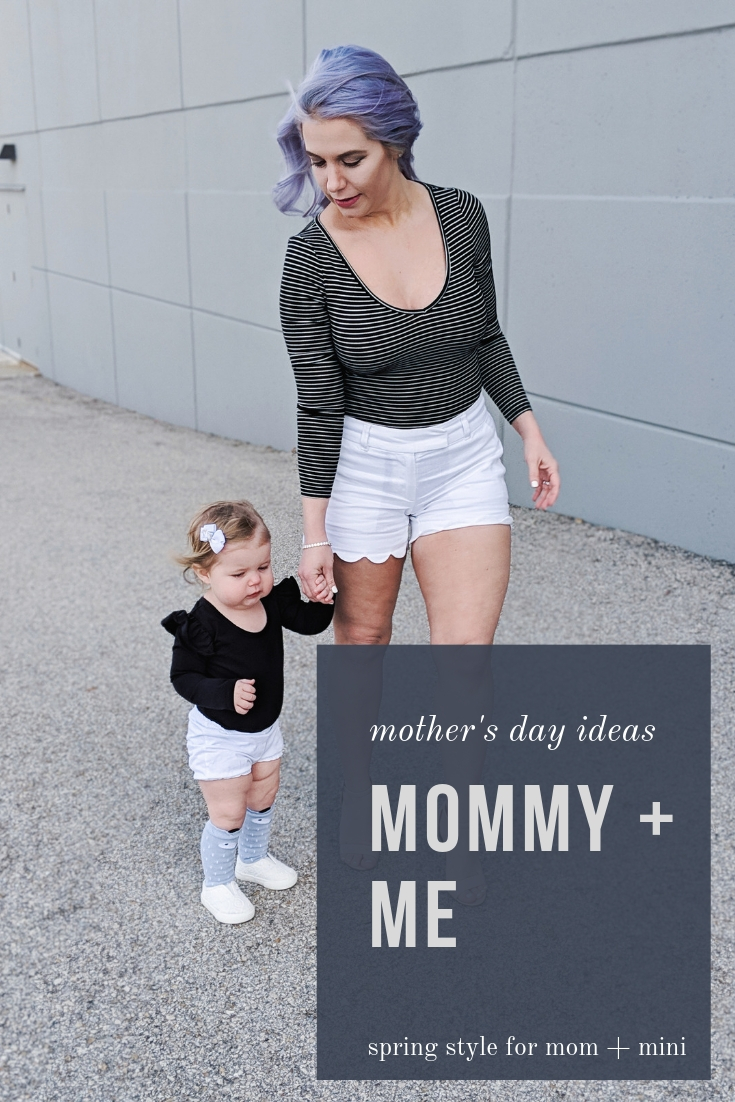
{"x":241,"y":873}
{"x":228,"y":917}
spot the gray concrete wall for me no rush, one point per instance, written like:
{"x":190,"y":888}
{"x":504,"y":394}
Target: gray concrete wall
{"x":141,"y":262}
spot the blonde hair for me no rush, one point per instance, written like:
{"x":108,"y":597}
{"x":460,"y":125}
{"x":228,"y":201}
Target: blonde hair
{"x":237,"y":520}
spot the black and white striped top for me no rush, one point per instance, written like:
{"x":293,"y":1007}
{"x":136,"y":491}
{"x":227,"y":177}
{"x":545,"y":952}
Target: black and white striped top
{"x":354,"y":354}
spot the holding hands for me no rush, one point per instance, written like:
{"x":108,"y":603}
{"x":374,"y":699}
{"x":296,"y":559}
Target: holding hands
{"x":316,"y":569}
{"x":244,"y":696}
{"x":317,"y":575}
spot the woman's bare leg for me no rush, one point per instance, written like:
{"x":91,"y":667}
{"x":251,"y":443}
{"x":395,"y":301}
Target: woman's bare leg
{"x":463,"y":576}
{"x":367,"y":597}
{"x":364,"y":617}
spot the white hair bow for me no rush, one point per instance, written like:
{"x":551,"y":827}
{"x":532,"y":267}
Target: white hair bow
{"x":211,"y":534}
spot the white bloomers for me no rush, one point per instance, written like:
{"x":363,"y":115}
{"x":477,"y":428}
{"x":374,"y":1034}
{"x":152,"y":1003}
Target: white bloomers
{"x":216,"y":754}
{"x":394,"y":485}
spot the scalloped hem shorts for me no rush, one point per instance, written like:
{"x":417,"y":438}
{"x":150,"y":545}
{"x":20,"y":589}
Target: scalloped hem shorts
{"x":216,"y":754}
{"x":394,"y":485}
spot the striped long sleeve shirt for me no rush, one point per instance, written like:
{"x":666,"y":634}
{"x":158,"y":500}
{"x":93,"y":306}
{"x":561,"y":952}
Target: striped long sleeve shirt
{"x":354,"y":354}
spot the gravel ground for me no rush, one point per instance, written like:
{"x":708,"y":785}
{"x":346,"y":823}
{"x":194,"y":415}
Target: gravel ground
{"x":118,"y":986}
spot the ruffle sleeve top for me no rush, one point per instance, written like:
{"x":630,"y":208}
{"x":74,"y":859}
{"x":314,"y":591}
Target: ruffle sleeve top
{"x":211,"y":653}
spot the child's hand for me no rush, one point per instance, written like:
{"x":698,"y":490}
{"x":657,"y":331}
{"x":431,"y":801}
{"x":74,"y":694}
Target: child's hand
{"x":244,"y":695}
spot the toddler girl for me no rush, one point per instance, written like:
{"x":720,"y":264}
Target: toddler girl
{"x":228,"y":661}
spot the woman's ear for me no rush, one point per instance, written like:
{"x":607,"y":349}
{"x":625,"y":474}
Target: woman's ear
{"x":393,"y":151}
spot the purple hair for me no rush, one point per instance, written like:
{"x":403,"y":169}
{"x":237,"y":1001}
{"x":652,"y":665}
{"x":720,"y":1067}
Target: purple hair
{"x":347,"y":82}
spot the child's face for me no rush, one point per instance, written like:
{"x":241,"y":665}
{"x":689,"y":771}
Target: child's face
{"x":241,"y":575}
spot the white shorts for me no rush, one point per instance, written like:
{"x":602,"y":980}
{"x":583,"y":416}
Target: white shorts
{"x":394,"y":485}
{"x":216,"y":754}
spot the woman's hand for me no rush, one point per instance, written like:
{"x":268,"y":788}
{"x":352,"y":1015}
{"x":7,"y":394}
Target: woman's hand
{"x":543,"y":469}
{"x":317,"y":575}
{"x":316,"y":566}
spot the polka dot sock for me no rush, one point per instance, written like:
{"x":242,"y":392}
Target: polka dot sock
{"x":219,"y":850}
{"x":252,"y":843}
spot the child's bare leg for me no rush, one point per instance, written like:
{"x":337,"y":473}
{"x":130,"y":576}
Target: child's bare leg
{"x":266,"y":779}
{"x":254,"y":862}
{"x":227,"y":800}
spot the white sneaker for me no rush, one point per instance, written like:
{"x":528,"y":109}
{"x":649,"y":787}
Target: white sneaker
{"x":227,"y":903}
{"x":268,"y":871}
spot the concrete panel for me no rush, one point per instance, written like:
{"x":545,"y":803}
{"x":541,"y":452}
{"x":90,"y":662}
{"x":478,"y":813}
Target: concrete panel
{"x":147,"y":153}
{"x":153,"y":353}
{"x":236,"y":49}
{"x":73,"y":158}
{"x":130,"y":154}
{"x":467,"y":137}
{"x":651,"y":118}
{"x":138,"y":56}
{"x":25,"y":172}
{"x":16,"y":79}
{"x":64,"y":62}
{"x":414,"y":34}
{"x":39,"y":350}
{"x":237,"y":243}
{"x":147,"y":235}
{"x":245,"y":387}
{"x":566,"y":24}
{"x":10,"y":172}
{"x":627,"y":307}
{"x":16,"y":291}
{"x":663,"y":484}
{"x":74,"y":221}
{"x":23,"y":289}
{"x":233,"y":147}
{"x":81,"y":330}
{"x":31,"y":171}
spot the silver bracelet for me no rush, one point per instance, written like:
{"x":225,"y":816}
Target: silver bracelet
{"x":322,"y":543}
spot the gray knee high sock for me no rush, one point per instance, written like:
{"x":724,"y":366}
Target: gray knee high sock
{"x":252,"y":842}
{"x":218,"y":849}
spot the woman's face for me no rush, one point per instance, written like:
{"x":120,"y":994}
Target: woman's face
{"x":355,"y":172}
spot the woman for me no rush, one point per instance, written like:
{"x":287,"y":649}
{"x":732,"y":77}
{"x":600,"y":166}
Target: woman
{"x":388,"y":310}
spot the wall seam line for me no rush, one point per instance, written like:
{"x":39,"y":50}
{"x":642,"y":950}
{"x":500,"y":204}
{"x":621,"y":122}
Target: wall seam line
{"x":683,"y":200}
{"x":112,"y":309}
{"x":303,"y":37}
{"x":509,"y":199}
{"x":33,"y":67}
{"x":39,"y":160}
{"x":45,"y":269}
{"x":191,"y":300}
{"x":96,"y":59}
{"x":608,"y":44}
{"x":503,"y":59}
{"x":181,"y":56}
{"x":663,"y":36}
{"x":633,"y":420}
{"x":148,"y":114}
{"x":155,"y":298}
{"x":187,"y":229}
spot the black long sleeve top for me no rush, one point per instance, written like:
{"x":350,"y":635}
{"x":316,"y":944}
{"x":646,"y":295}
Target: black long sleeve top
{"x":211,"y":653}
{"x":354,"y":354}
